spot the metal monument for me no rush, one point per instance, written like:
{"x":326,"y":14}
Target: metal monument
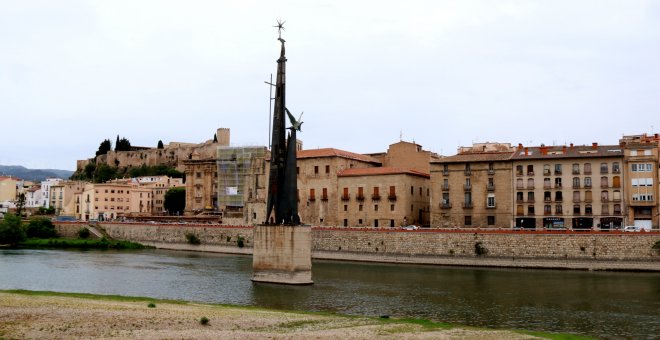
{"x":282,"y":203}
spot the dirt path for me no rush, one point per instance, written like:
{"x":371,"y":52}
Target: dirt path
{"x":63,"y":317}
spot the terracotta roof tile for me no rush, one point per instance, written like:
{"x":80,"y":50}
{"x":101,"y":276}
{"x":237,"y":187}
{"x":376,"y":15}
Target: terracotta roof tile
{"x":476,"y":157}
{"x":331,"y":152}
{"x":380,"y":171}
{"x":578,"y":151}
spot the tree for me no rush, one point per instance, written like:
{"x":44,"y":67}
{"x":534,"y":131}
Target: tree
{"x":11,"y":230}
{"x":20,"y":204}
{"x":104,"y":147}
{"x":122,"y":144}
{"x":41,"y":227}
{"x":160,"y":144}
{"x":175,"y":200}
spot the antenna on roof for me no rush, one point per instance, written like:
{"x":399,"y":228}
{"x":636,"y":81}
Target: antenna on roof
{"x":401,"y":135}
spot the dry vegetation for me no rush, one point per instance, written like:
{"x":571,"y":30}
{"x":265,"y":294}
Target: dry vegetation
{"x":26,"y":315}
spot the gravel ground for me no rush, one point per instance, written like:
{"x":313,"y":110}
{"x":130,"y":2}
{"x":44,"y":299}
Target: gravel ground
{"x":61,"y":317}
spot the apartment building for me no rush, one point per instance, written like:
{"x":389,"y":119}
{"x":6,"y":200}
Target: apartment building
{"x":62,"y":197}
{"x":473,"y":187}
{"x":641,"y":179}
{"x":575,"y":187}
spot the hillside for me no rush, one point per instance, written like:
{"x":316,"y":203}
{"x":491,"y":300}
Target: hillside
{"x":36,"y":175}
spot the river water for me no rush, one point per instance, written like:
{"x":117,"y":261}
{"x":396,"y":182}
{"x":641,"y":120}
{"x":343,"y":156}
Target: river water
{"x":602,"y":304}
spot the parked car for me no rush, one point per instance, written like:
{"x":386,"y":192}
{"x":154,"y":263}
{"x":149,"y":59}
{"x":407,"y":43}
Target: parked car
{"x":632,"y":228}
{"x":411,"y":227}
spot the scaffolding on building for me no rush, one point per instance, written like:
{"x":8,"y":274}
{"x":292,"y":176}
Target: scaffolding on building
{"x":235,"y":168}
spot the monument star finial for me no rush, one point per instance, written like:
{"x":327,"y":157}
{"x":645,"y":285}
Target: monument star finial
{"x":280,"y":28}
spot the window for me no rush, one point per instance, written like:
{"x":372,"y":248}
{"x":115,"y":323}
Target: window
{"x":491,"y":220}
{"x":576,"y":209}
{"x":519,"y":196}
{"x":616,"y":168}
{"x":519,"y":210}
{"x":530,"y":183}
{"x":530,"y":210}
{"x":547,"y":196}
{"x":468,"y":220}
{"x":360,"y":195}
{"x":519,"y":184}
{"x":558,"y":196}
{"x":490,"y":201}
{"x":311,"y":195}
{"x":587,"y":182}
{"x":327,"y":169}
{"x":445,"y":184}
{"x":604,"y":196}
{"x":316,"y":169}
{"x":491,"y":166}
{"x":376,"y":194}
{"x":530,"y":196}
{"x":587,"y":168}
{"x":198,"y":174}
{"x":617,"y":209}
{"x":360,"y":208}
{"x":616,"y":181}
{"x":376,"y":207}
{"x":557,"y":169}
{"x":412,"y":190}
{"x":325,"y":194}
{"x":391,"y":207}
{"x":468,"y":199}
{"x":576,"y":182}
{"x":576,"y":169}
{"x":605,"y":209}
{"x":616,"y":195}
{"x":576,"y":196}
{"x":345,"y":196}
{"x":547,"y":210}
{"x":530,"y":170}
{"x":558,"y":209}
{"x":604,"y":183}
{"x":587,"y":196}
{"x":558,"y":182}
{"x":588,"y":209}
{"x":546,"y":183}
{"x":546,"y":169}
{"x":445,"y":169}
{"x":519,"y":170}
{"x":392,"y":192}
{"x":603,"y":168}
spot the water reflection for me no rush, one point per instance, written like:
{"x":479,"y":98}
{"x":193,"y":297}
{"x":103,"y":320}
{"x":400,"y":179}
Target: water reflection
{"x":595,"y":303}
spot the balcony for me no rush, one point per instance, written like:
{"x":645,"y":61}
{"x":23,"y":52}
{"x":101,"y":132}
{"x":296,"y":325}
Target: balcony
{"x":391,"y":197}
{"x":546,"y":172}
{"x":557,"y":172}
{"x":490,"y":187}
{"x":559,"y":199}
{"x":492,"y":206}
{"x":467,"y":187}
{"x":559,"y":212}
{"x":587,"y":185}
{"x":519,"y":173}
{"x":467,"y":172}
{"x":547,"y":186}
{"x":530,"y":200}
{"x":468,"y":205}
{"x":587,"y":172}
{"x":345,"y":197}
{"x":604,"y":171}
{"x":576,"y":172}
{"x":604,"y":199}
{"x":530,"y":173}
{"x":445,"y":205}
{"x":616,"y":171}
{"x":359,"y":197}
{"x":547,"y":213}
{"x":604,"y":185}
{"x":530,"y":186}
{"x":557,"y":185}
{"x":445,"y":187}
{"x":520,"y":186}
{"x":576,"y":186}
{"x":311,"y":198}
{"x":587,"y":200}
{"x":375,"y":197}
{"x":324,"y":198}
{"x":520,"y":200}
{"x":616,"y":200}
{"x":491,"y":171}
{"x":445,"y":172}
{"x":576,"y":200}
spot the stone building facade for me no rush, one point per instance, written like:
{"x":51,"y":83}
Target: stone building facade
{"x":641,"y":178}
{"x":575,"y":187}
{"x":201,"y":185}
{"x":383,"y":197}
{"x":473,"y":187}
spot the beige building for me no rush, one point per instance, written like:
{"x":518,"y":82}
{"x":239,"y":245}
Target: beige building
{"x":62,"y":197}
{"x":8,"y":186}
{"x":383,"y":197}
{"x":201,"y":185}
{"x":575,"y":187}
{"x":641,"y":179}
{"x":473,"y":187}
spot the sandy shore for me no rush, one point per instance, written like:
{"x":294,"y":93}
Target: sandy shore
{"x":37,"y":316}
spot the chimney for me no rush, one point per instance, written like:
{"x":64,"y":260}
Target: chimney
{"x":594,"y":145}
{"x":544,"y":150}
{"x":520,"y":146}
{"x":563,"y":149}
{"x":571,"y":146}
{"x":526,"y":151}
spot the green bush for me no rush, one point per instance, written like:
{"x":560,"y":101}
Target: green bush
{"x":83,"y":233}
{"x":204,"y":321}
{"x":240,"y":242}
{"x":151,"y":305}
{"x":479,"y":249}
{"x":11,"y":230}
{"x":41,"y":227}
{"x":192,"y":238}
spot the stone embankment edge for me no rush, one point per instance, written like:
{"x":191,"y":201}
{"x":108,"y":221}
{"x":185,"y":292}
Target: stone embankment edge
{"x":642,"y":263}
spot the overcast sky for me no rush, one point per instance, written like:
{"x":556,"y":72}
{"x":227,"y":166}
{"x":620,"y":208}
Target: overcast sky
{"x":440,"y":73}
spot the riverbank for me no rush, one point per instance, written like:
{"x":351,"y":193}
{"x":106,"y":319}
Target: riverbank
{"x":49,"y":315}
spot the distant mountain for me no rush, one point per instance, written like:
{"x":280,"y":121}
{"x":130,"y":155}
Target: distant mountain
{"x":35,"y":175}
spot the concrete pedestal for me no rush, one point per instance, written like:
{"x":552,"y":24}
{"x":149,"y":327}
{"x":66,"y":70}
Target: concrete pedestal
{"x":282,"y":254}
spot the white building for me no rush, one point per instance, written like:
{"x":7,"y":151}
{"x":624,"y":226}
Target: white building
{"x":45,"y":190}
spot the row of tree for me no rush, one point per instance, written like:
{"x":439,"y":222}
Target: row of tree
{"x":12,"y":230}
{"x":102,"y":172}
{"x":123,"y":144}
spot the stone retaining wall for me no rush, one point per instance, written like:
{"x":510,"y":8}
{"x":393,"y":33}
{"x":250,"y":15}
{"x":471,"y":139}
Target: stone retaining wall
{"x":600,"y":251}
